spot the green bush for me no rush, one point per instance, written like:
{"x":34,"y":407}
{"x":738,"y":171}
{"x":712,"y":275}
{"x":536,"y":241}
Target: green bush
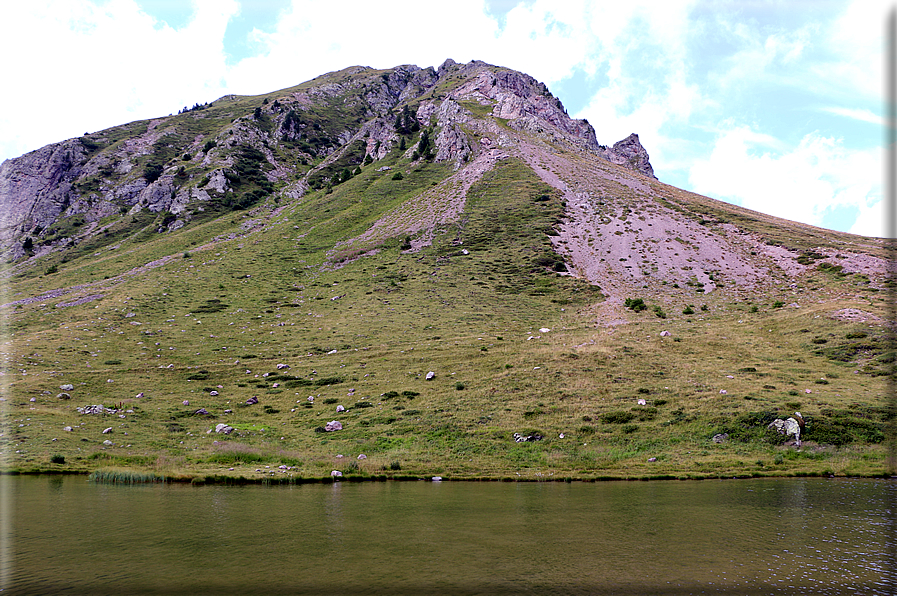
{"x":57,"y":459}
{"x":636,"y":304}
{"x":618,"y":417}
{"x":688,"y":310}
{"x":398,"y":176}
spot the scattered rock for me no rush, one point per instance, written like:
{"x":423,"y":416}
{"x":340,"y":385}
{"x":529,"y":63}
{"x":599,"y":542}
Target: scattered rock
{"x":201,"y":412}
{"x":95,"y":409}
{"x":213,"y":393}
{"x":362,"y":456}
{"x":107,"y":442}
{"x":789,"y":427}
{"x":224,"y":429}
{"x":336,"y":474}
{"x":107,"y":431}
{"x":33,"y":399}
{"x":723,"y":392}
{"x":340,"y":409}
{"x":311,"y":399}
{"x":544,"y":330}
{"x":665,"y":333}
{"x":332,"y":352}
{"x":139,"y":395}
{"x":64,"y":396}
{"x":333,"y":425}
{"x":437,"y":479}
{"x":67,"y":429}
{"x":282,"y":366}
{"x":67,"y":387}
{"x":186,"y":402}
{"x":252,"y":400}
{"x":720,"y":438}
{"x":642,"y":402}
{"x":518,"y":438}
{"x":431,"y":375}
{"x":652,"y":459}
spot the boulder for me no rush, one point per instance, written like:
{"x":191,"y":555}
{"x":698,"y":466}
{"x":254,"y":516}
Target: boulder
{"x":720,"y":438}
{"x":224,"y":429}
{"x":186,"y":402}
{"x":362,"y":456}
{"x":283,"y":366}
{"x":431,"y":375}
{"x":67,"y":429}
{"x":67,"y":387}
{"x":252,"y":400}
{"x":107,"y":442}
{"x":665,"y":334}
{"x":64,"y":396}
{"x":340,"y":409}
{"x":333,"y":425}
{"x":201,"y":412}
{"x":518,"y":438}
{"x":107,"y":431}
{"x":336,"y":474}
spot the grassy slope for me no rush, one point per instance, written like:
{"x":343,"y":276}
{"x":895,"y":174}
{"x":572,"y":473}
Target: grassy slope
{"x":198,"y":323}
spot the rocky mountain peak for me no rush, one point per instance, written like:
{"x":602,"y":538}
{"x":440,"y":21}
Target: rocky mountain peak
{"x":630,"y":153}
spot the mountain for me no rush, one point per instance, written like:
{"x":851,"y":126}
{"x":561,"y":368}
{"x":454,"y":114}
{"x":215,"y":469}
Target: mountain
{"x":333,"y":243}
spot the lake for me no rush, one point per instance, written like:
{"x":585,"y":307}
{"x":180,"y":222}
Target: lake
{"x":65,"y":535}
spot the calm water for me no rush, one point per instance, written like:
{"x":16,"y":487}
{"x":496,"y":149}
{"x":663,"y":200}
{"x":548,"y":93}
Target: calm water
{"x":796,"y":536}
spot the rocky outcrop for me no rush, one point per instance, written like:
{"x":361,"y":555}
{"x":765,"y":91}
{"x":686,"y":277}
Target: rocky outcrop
{"x":36,"y":188}
{"x":630,"y":153}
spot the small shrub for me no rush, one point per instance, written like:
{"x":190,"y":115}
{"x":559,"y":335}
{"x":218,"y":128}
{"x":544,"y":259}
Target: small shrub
{"x":57,"y":459}
{"x":112,"y":362}
{"x":395,"y":466}
{"x":459,"y":386}
{"x":629,"y":428}
{"x":636,"y":304}
{"x":659,"y":311}
{"x":363,"y":404}
{"x":778,"y":304}
{"x":187,"y":255}
{"x":398,"y":176}
{"x":51,"y":270}
{"x":410,"y":394}
{"x":688,"y":310}
{"x":330,"y":400}
{"x":703,"y":307}
{"x":617,"y":417}
{"x":586,"y":430}
{"x":754,"y":308}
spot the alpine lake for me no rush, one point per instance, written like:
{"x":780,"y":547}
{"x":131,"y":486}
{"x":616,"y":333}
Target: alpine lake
{"x":67,"y":535}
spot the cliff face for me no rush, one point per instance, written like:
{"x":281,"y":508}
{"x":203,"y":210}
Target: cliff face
{"x":630,"y":153}
{"x":237,"y":150}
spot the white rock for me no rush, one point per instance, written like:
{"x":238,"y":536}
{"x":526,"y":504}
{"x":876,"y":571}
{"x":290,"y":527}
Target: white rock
{"x":437,"y":478}
{"x":340,"y":409}
{"x":67,"y":429}
{"x":67,"y":387}
{"x":106,"y":431}
{"x":723,"y":392}
{"x":362,"y":456}
{"x":336,"y":474}
{"x":642,"y":402}
{"x":213,"y":393}
{"x":282,"y":366}
{"x":107,"y":442}
{"x":186,"y":402}
{"x":665,"y":333}
{"x":333,"y":425}
{"x":430,"y":376}
{"x":544,"y":330}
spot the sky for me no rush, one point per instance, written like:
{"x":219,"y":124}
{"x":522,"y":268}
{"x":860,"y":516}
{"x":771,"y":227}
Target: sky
{"x":776,"y":106}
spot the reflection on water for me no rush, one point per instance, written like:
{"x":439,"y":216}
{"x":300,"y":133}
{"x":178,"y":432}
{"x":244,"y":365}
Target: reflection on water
{"x":795,"y":536}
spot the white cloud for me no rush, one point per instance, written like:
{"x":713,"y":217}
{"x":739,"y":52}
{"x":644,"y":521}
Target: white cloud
{"x":94,"y":66}
{"x":861,"y":114}
{"x":800,"y":184}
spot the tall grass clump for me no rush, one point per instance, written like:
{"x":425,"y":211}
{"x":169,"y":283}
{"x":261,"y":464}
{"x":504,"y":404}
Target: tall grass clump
{"x":123,"y":476}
